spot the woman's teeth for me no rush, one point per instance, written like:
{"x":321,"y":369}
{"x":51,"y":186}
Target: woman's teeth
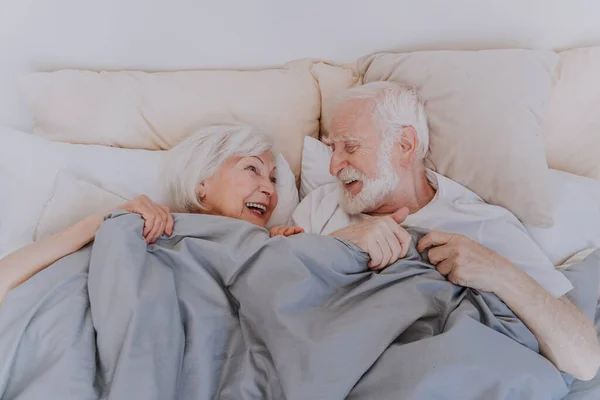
{"x":257,"y":208}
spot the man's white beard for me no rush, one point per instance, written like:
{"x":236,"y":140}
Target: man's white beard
{"x":373,"y":190}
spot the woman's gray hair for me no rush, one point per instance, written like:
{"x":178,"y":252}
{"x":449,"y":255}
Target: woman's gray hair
{"x":395,"y":106}
{"x":201,"y":155}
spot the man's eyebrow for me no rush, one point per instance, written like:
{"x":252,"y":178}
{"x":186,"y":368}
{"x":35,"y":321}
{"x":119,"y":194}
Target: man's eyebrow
{"x":258,"y":158}
{"x":343,"y":138}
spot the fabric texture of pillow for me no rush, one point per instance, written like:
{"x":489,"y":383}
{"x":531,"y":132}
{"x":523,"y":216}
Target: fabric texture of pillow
{"x":572,"y":129}
{"x":29,"y":166}
{"x":484,"y":110}
{"x":72,"y":200}
{"x":333,"y":79}
{"x":576,"y":217}
{"x":315,"y":166}
{"x":32,"y":196}
{"x":156,"y":111}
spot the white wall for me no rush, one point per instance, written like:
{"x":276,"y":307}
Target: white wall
{"x":178,"y":34}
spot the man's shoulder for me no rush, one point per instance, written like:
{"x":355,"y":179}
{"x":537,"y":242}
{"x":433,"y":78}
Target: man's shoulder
{"x":452,"y":190}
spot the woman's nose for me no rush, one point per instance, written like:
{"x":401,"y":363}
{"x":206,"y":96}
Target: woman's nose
{"x":268,"y":187}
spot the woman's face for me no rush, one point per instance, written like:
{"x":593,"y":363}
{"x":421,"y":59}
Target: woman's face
{"x":243,"y":188}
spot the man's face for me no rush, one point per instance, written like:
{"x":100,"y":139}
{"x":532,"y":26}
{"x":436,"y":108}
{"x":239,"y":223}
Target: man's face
{"x":363,"y":167}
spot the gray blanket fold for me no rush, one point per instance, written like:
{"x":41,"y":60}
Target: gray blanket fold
{"x":219,"y":310}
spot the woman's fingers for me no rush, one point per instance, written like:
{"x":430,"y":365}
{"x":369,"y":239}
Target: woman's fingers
{"x":157,"y":219}
{"x":159,"y":224}
{"x":170,"y":221}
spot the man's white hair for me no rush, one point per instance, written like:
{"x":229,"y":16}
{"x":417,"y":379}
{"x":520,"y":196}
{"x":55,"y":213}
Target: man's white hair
{"x":394,"y":106}
{"x":201,"y":155}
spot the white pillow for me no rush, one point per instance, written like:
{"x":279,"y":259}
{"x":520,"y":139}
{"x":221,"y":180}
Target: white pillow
{"x":315,"y":166}
{"x":576,"y":217}
{"x":29,"y":166}
{"x":72,"y":200}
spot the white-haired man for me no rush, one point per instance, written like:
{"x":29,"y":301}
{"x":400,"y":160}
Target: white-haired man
{"x":379,"y":137}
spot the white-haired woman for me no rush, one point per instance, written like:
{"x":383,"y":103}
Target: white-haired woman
{"x":220,"y":170}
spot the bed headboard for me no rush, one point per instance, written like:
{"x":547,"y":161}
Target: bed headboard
{"x":187,"y":34}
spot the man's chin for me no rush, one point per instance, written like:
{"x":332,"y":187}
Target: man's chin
{"x":352,"y":204}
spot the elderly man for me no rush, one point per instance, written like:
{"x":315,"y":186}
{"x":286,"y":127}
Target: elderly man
{"x":379,"y":138}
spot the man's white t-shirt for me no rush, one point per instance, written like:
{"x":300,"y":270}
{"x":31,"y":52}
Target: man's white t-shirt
{"x":454,"y":209}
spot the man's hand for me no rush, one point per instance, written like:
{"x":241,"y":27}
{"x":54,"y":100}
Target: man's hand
{"x":465,"y":262}
{"x":381,"y":237}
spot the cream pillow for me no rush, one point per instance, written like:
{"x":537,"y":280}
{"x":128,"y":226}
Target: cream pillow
{"x":333,"y":79}
{"x":157,"y":110}
{"x":484,"y":109}
{"x":572,"y":129}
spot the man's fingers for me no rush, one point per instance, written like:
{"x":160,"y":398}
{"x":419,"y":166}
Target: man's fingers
{"x":400,"y":215}
{"x":404,"y":238}
{"x":386,"y":252}
{"x":374,"y":252}
{"x":435,"y":238}
{"x":445,"y":267}
{"x":395,"y":248}
{"x":439,"y":254}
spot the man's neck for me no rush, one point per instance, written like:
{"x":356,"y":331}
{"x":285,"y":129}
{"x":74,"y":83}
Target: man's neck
{"x":413,"y":192}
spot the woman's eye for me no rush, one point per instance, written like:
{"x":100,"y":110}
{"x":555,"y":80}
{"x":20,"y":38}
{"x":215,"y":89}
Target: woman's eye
{"x":252,"y":168}
{"x":274,"y":181}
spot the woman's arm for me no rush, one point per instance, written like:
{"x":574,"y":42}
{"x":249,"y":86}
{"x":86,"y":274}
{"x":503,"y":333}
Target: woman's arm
{"x":22,"y":264}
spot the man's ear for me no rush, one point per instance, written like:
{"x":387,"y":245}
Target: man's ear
{"x":407,"y":145}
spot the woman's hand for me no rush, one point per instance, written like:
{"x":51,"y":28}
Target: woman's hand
{"x":157,"y":218}
{"x":285,"y":230}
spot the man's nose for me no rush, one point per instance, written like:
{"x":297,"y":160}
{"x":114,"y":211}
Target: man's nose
{"x":336,"y":164}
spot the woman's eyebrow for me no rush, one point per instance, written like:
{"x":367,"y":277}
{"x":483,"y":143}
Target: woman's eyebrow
{"x":258,"y":158}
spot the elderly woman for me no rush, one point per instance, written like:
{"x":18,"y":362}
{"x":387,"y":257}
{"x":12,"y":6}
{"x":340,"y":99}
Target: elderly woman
{"x":220,"y":170}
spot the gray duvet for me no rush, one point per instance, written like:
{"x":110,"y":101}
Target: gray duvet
{"x":220,"y":311}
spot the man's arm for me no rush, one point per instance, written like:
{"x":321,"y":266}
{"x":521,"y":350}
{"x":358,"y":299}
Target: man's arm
{"x":566,"y":336}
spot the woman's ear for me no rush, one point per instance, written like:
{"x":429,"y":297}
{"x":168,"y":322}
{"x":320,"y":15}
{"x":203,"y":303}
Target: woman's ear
{"x":407,"y":145}
{"x":201,"y":190}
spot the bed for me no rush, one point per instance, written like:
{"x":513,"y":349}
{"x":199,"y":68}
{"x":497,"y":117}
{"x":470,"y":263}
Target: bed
{"x":84,"y":127}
